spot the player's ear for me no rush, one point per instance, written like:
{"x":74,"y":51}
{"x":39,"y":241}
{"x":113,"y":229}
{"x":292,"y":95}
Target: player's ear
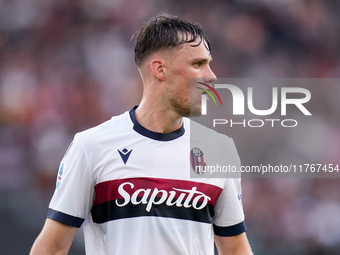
{"x":157,"y":68}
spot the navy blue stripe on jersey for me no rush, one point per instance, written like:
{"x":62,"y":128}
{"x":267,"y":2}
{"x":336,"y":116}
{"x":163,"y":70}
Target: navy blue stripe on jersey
{"x":64,"y":218}
{"x":109,"y":211}
{"x":154,"y":135}
{"x":231,"y":230}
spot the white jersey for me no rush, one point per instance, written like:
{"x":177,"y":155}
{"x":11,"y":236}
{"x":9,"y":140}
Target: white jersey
{"x":131,"y":189}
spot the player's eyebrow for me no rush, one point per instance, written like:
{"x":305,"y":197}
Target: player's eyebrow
{"x":204,"y":59}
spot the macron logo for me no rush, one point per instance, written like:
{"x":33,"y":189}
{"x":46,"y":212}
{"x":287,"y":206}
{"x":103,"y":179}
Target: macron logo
{"x":124,"y":154}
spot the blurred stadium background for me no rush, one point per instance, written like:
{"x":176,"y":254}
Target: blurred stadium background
{"x":68,"y":65}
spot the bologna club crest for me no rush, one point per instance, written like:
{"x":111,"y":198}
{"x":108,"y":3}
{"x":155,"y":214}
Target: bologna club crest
{"x":197,"y":160}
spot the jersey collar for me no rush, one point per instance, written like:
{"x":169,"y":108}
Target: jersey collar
{"x":154,"y":135}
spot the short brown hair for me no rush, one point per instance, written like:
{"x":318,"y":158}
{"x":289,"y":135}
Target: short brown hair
{"x":166,"y":31}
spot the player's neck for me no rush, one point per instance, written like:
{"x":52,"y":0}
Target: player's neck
{"x":157,"y":118}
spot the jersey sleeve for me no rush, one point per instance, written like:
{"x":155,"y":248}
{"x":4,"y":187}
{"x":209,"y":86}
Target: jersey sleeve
{"x":229,"y":215}
{"x":73,"y":197}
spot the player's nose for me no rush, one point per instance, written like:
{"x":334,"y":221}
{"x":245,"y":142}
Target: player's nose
{"x":209,"y":76}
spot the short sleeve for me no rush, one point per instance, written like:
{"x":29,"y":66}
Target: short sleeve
{"x":73,"y":197}
{"x":229,"y":215}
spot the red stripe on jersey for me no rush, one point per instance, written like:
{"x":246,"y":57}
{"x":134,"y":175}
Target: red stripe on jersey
{"x":109,"y":190}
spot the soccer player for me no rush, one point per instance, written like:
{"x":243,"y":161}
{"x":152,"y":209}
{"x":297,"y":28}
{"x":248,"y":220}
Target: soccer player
{"x":127,"y":181}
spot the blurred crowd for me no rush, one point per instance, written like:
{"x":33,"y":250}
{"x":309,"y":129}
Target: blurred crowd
{"x":68,"y":65}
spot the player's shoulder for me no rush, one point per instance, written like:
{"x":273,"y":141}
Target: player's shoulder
{"x":113,"y":126}
{"x":199,"y":131}
{"x":209,"y":139}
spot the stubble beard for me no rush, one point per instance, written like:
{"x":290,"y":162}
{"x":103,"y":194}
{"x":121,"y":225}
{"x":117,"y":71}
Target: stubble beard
{"x":182,"y":105}
{"x":183,"y":108}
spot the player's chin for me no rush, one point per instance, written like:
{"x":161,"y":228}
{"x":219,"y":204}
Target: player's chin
{"x":189,"y":110}
{"x":195,"y":112}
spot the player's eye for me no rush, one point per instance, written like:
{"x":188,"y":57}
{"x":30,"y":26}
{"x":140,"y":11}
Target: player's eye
{"x":198,"y":64}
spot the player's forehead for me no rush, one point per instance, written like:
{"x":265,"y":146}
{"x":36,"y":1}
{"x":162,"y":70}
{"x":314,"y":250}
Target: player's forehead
{"x":193,"y":50}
